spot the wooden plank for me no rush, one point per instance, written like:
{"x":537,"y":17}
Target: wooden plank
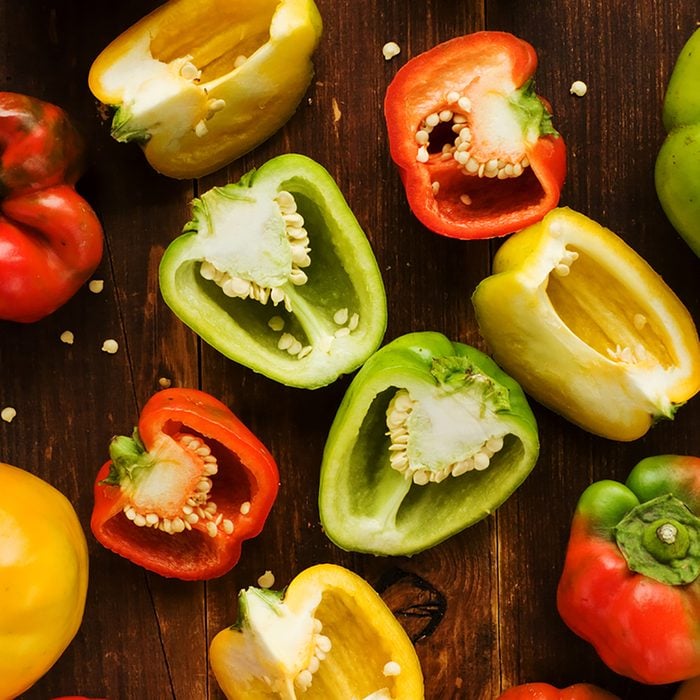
{"x":480,"y":606}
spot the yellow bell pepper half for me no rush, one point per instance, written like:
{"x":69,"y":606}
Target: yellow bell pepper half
{"x":329,"y":636}
{"x":43,"y":576}
{"x":198,"y":83}
{"x":588,"y":328}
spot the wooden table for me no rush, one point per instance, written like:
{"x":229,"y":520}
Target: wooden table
{"x":493,"y":586}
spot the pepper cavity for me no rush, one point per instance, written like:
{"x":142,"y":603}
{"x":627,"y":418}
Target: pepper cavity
{"x":498,"y":156}
{"x":397,"y":419}
{"x":175,"y":502}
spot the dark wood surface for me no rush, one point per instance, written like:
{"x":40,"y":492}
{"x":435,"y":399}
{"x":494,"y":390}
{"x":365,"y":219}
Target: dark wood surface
{"x":146,"y":637}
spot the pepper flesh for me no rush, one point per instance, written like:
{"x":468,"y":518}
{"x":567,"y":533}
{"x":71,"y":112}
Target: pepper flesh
{"x":50,"y":238}
{"x":199,"y":83}
{"x":329,"y":614}
{"x":544,"y":691}
{"x":677,"y":170}
{"x":44,"y":574}
{"x":629,"y":588}
{"x":181,"y":496}
{"x":369,"y":500}
{"x":587,"y":328}
{"x":505,"y":168}
{"x":284,"y":234}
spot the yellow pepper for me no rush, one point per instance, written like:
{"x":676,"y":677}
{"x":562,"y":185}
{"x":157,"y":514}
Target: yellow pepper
{"x":329,"y":636}
{"x":43,"y":575}
{"x":587,"y":327}
{"x":198,"y":83}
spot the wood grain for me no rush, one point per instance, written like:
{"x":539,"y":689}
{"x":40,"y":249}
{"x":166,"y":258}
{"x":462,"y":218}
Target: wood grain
{"x":489,"y":591}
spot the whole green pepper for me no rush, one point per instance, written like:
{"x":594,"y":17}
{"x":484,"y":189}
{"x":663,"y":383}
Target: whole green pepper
{"x":275,"y":272}
{"x":430,"y":437}
{"x":677,"y":173}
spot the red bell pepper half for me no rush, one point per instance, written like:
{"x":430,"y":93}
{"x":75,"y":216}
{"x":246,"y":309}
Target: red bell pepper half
{"x":475,"y":146}
{"x":631,"y":579}
{"x":181,"y":495}
{"x":544,"y":691}
{"x":50,"y":238}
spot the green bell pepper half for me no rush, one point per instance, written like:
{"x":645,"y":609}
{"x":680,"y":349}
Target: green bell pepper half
{"x":275,"y":272}
{"x":431,"y":437}
{"x":630,"y":584}
{"x":677,"y":172}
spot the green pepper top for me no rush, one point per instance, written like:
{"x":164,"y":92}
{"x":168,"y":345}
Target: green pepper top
{"x":431,"y":437}
{"x":275,"y":272}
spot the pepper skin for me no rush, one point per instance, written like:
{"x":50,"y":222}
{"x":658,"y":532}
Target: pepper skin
{"x":501,"y":165}
{"x":170,"y":498}
{"x":677,"y":172}
{"x":588,"y":328}
{"x":50,"y":238}
{"x":473,"y":441}
{"x":544,"y":691}
{"x":199,"y":83}
{"x":630,"y":582}
{"x":44,"y":575}
{"x":328,"y":636}
{"x":284,"y":234}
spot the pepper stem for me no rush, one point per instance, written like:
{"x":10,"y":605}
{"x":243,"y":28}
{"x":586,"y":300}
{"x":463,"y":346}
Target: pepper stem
{"x":666,"y":540}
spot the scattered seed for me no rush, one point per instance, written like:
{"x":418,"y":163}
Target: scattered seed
{"x":96,"y":286}
{"x":465,"y":199}
{"x":276,"y":323}
{"x":245,"y":508}
{"x":391,"y":668}
{"x":110,"y":346}
{"x":390,"y":49}
{"x":8,"y":414}
{"x":67,"y":337}
{"x":164,"y":382}
{"x":267,"y":580}
{"x":578,"y":88}
{"x":240,"y":60}
{"x":340,"y":317}
{"x":639,"y":320}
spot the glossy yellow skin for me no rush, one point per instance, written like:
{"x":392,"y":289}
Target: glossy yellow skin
{"x":44,"y":577}
{"x":140,"y":72}
{"x":364,"y":633}
{"x":558,"y":335}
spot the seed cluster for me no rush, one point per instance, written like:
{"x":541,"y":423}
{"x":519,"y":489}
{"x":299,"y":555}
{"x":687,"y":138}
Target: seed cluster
{"x":298,"y":238}
{"x":563,"y":267}
{"x":198,"y":509}
{"x":456,"y":112}
{"x":189,"y":71}
{"x":322,"y":646}
{"x":397,"y":414}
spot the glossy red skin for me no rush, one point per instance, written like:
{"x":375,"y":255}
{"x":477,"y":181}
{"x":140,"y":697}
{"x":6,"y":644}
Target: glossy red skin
{"x":499,"y":207}
{"x":247,"y":472}
{"x":641,"y":628}
{"x":544,"y":691}
{"x":51,"y":240}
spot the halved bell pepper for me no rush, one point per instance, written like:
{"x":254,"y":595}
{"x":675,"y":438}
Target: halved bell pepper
{"x":630,"y":582}
{"x":198,"y":83}
{"x":544,"y":691}
{"x":677,"y":171}
{"x":473,"y":142}
{"x":430,"y":437}
{"x":50,"y":238}
{"x":181,"y":494}
{"x":43,"y":578}
{"x":285,"y":235}
{"x":588,"y":328}
{"x":327,"y":636}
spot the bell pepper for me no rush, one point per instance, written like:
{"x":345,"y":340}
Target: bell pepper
{"x":677,"y":171}
{"x":473,"y":142}
{"x":198,"y":83}
{"x":328,"y":636}
{"x":544,"y":691}
{"x":285,"y":235}
{"x":630,"y":582}
{"x":588,"y":328}
{"x":43,"y":578}
{"x":50,"y":238}
{"x":426,"y":427}
{"x":181,"y":494}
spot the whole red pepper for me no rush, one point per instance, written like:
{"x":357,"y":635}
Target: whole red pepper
{"x":50,"y":238}
{"x":474,"y":144}
{"x":181,"y":495}
{"x":544,"y":691}
{"x":630,"y":584}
